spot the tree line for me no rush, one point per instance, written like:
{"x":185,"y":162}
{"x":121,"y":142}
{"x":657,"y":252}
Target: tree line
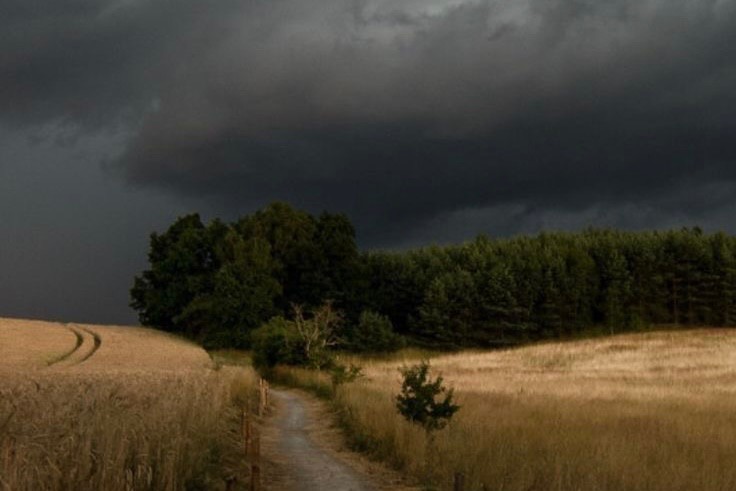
{"x":218,"y":282}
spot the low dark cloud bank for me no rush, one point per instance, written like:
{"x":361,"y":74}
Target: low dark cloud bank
{"x":411,"y":116}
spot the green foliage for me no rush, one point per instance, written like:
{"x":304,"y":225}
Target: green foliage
{"x":373,"y":333}
{"x":277,"y":342}
{"x":499,"y":292}
{"x":314,"y":258}
{"x":242,"y":295}
{"x":302,"y":341}
{"x":341,"y":374}
{"x":182,"y":265}
{"x":218,"y":282}
{"x":418,"y":401}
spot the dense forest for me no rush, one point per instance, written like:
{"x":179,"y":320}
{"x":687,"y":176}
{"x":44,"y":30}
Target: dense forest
{"x":218,"y":282}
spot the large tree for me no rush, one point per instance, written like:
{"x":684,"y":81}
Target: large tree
{"x":182,"y":262}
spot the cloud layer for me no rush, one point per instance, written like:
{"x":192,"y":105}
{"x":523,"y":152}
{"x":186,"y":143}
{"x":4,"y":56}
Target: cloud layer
{"x":401,"y":113}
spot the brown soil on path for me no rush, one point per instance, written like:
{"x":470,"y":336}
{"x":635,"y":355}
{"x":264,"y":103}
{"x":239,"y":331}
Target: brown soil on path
{"x":304,"y":450}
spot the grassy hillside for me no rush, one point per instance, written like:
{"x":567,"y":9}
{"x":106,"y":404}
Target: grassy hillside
{"x":103,"y":407}
{"x":652,"y":411}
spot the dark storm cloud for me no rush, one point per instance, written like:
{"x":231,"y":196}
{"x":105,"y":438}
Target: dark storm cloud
{"x":90,"y":63}
{"x":398,"y":112}
{"x":71,"y":237}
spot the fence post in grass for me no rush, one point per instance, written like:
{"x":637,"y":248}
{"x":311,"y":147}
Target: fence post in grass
{"x":261,"y":397}
{"x":459,"y":483}
{"x":255,"y":468}
{"x":247,"y":433}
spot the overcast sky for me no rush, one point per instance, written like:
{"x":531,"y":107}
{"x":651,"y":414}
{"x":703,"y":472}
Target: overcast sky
{"x":426,"y":121}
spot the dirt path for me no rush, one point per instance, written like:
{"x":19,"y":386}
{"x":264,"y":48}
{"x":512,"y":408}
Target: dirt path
{"x":306,"y":452}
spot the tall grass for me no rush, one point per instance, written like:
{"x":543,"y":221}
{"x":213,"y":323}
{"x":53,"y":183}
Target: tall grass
{"x":638,"y":412}
{"x":145,"y":411}
{"x":144,"y":432}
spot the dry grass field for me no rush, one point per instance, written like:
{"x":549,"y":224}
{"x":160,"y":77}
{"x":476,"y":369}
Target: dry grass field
{"x":653,"y":411}
{"x":116,"y":408}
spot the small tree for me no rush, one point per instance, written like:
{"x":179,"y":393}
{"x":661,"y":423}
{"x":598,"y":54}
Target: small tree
{"x":318,"y":334}
{"x":301,"y":341}
{"x":341,"y":374}
{"x":418,"y":403}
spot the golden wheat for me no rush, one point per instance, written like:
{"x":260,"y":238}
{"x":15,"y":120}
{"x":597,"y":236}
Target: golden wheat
{"x":30,"y":345}
{"x":127,"y":409}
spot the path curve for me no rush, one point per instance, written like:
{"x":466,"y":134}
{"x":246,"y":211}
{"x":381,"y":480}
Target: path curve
{"x":306,"y":465}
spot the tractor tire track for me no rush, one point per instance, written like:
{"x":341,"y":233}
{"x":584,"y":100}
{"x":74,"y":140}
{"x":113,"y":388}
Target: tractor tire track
{"x":97,"y":343}
{"x":65,"y":356}
{"x":87,"y":344}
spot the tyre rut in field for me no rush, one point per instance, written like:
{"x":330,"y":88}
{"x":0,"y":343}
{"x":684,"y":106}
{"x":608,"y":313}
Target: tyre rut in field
{"x":97,"y":343}
{"x":78,"y":344}
{"x":87,"y":344}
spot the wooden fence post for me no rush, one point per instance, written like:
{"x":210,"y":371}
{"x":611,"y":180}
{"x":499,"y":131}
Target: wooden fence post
{"x":459,"y":484}
{"x":247,"y":434}
{"x":255,"y":468}
{"x":261,"y":397}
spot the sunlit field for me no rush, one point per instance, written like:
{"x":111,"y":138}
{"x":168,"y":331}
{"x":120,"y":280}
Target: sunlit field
{"x":654,"y":411}
{"x":98,"y":407}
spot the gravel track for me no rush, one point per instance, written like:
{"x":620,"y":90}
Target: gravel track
{"x":304,"y":464}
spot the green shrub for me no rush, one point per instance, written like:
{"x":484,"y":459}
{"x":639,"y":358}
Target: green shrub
{"x":373,"y":333}
{"x":277,"y":342}
{"x":417,"y":401}
{"x":341,"y":374}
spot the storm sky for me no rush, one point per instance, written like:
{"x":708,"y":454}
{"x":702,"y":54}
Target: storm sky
{"x":425,"y":121}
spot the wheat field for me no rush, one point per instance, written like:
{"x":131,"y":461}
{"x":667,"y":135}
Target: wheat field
{"x":651,"y":411}
{"x":88,"y":407}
